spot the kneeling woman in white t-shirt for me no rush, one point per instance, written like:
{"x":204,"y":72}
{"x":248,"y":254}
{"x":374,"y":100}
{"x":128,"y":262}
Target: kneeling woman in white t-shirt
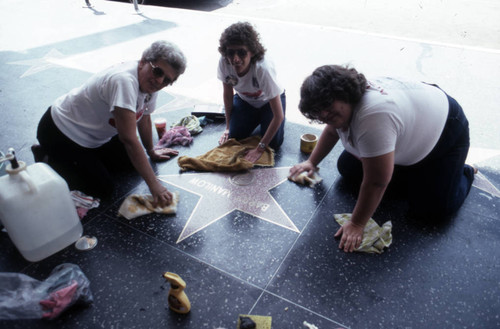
{"x":90,"y":132}
{"x":259,"y":98}
{"x":409,"y":134}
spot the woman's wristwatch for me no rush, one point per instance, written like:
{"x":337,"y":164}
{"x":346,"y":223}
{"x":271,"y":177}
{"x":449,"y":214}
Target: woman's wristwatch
{"x":262,"y":146}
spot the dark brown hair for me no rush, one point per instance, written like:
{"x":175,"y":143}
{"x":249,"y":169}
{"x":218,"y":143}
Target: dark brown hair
{"x":327,"y":84}
{"x":242,"y":34}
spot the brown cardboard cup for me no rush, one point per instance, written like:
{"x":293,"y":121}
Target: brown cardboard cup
{"x":308,"y":142}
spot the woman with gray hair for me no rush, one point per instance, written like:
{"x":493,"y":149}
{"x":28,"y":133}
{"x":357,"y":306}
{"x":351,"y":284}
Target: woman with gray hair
{"x":410,"y":134}
{"x":90,"y":132}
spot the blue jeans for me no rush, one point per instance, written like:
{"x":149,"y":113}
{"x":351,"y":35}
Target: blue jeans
{"x":437,"y":186}
{"x":245,"y":118}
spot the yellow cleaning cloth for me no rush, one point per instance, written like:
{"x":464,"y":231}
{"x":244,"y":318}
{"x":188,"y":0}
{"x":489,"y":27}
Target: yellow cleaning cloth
{"x":375,"y":238}
{"x":304,"y":179}
{"x":228,"y":157}
{"x":136,"y":205}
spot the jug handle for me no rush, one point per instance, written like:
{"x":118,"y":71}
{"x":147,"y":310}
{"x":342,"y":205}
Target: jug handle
{"x":27,"y":179}
{"x":21,"y":171}
{"x":18,"y":168}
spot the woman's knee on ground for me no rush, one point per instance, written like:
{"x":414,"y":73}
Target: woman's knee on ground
{"x":350,"y":167}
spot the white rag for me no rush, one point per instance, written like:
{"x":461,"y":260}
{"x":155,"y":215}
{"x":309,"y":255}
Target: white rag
{"x":304,"y":179}
{"x":136,"y":205}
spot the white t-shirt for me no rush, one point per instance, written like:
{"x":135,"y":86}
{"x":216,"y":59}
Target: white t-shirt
{"x":405,"y":117}
{"x":257,"y":87}
{"x":85,"y":113}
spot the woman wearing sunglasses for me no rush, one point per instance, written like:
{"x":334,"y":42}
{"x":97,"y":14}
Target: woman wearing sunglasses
{"x":90,"y":132}
{"x":259,"y":98}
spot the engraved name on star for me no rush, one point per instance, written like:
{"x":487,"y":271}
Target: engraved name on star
{"x":222,"y":193}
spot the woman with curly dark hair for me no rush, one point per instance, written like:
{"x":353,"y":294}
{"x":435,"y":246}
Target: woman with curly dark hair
{"x":259,"y":98}
{"x":410,"y":134}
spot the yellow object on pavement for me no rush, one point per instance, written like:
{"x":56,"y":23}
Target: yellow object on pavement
{"x":262,"y":322}
{"x":375,"y":238}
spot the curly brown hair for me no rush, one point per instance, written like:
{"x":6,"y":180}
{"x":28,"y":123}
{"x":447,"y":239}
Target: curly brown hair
{"x":327,"y":84}
{"x":242,"y":34}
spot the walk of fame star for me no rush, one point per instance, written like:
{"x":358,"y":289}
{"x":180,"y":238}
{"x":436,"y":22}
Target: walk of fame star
{"x":40,"y":64}
{"x":475,"y":156}
{"x":222,"y":193}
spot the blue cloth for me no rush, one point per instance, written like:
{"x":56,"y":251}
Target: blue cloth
{"x":245,"y":118}
{"x":437,"y":186}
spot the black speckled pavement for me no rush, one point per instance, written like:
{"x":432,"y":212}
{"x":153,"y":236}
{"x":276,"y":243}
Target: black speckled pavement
{"x":272,"y":252}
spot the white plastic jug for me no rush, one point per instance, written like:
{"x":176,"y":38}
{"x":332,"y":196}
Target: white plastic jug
{"x":37,"y":210}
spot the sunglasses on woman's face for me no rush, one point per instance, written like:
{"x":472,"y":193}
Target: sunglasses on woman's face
{"x":158,"y":73}
{"x":240,"y":52}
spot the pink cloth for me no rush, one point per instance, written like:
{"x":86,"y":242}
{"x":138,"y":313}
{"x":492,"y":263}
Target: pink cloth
{"x":176,"y":136}
{"x":83,"y":203}
{"x":58,"y":301}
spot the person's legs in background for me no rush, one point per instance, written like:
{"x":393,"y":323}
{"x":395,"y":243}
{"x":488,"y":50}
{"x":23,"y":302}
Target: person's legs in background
{"x":244,"y":119}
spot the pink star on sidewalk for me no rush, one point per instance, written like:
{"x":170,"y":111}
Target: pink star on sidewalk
{"x":222,"y":193}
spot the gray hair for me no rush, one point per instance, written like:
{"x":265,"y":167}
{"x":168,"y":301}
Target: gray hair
{"x":167,"y":51}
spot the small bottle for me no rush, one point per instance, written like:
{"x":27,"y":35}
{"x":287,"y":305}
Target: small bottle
{"x":177,"y":298}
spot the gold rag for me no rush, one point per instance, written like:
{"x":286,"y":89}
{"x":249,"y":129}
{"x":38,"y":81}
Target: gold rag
{"x":228,"y":157}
